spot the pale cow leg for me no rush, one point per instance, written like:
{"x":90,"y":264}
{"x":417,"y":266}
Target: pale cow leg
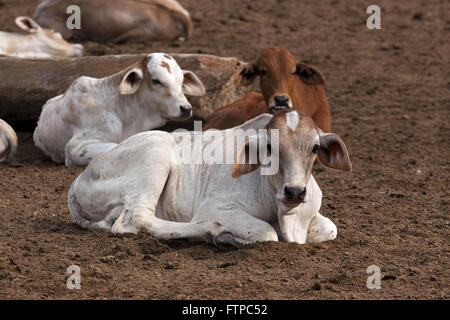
{"x":321,"y":229}
{"x":209,"y":231}
{"x":243,"y":226}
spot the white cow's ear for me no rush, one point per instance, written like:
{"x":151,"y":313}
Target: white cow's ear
{"x":131,"y":81}
{"x":246,"y":159}
{"x":27,"y":24}
{"x":333,"y":152}
{"x":192,"y":85}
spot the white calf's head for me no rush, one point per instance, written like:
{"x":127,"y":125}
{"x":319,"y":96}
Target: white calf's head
{"x":298,"y":145}
{"x":48,"y":42}
{"x":159,"y":80}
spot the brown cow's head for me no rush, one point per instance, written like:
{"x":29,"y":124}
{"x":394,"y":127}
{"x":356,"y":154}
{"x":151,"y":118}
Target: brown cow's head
{"x":280,"y":73}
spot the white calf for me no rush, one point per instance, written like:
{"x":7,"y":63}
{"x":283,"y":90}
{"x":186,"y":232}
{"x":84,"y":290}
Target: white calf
{"x":40,"y":43}
{"x":144,"y":183}
{"x":94,"y":115}
{"x":8,"y":142}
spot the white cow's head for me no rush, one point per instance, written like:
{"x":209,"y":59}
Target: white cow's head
{"x":298,"y":145}
{"x":48,"y":42}
{"x":159,"y":80}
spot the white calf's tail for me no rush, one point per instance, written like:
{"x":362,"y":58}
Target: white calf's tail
{"x":8,"y":142}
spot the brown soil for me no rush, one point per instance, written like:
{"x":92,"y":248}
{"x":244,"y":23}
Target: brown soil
{"x":390,"y":101}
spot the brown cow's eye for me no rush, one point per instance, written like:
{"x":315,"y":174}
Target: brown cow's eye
{"x":262,"y":72}
{"x":315,"y":149}
{"x":156,"y":81}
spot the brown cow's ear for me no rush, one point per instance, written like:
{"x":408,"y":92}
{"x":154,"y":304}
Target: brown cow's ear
{"x":131,"y":81}
{"x":246,"y":159}
{"x":333,"y":152}
{"x":246,"y":75}
{"x":27,"y":24}
{"x":309,"y":75}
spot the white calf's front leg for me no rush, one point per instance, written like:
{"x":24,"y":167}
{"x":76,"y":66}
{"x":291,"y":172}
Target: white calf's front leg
{"x":208,"y":231}
{"x":321,"y":229}
{"x":80,"y":152}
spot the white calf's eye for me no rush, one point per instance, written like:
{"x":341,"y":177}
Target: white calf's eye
{"x":315,"y":149}
{"x":156,"y":81}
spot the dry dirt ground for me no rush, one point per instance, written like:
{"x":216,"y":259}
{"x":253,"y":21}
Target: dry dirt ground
{"x":390,"y":101}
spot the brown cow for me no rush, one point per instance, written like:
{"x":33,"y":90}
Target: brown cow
{"x":285,"y":83}
{"x":118,"y":20}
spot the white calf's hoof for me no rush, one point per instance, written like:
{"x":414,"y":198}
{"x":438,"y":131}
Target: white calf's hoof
{"x":321,"y":229}
{"x":225,"y":242}
{"x":119,"y":227}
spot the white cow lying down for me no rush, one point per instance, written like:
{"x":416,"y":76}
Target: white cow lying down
{"x":143,"y":184}
{"x":94,"y":115}
{"x":39,"y":43}
{"x":8,"y":142}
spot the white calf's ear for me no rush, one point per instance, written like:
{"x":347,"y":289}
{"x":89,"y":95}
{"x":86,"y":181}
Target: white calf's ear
{"x":131,"y":81}
{"x":246,"y":159}
{"x":192,"y":85}
{"x":27,"y":24}
{"x":333,"y":152}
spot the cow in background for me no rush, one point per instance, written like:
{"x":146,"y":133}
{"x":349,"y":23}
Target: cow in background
{"x":39,"y":43}
{"x":118,"y":20}
{"x":285,"y":84}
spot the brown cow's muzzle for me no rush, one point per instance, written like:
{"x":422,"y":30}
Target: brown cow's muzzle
{"x":280,"y":103}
